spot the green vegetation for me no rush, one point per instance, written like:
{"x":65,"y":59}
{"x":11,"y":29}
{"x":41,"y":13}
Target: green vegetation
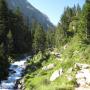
{"x":38,"y":79}
{"x":3,"y":39}
{"x":39,"y":39}
{"x":70,"y":38}
{"x":15,"y":37}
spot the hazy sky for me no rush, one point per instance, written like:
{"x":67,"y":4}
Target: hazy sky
{"x":54,"y":8}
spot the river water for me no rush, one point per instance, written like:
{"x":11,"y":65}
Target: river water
{"x":16,"y":71}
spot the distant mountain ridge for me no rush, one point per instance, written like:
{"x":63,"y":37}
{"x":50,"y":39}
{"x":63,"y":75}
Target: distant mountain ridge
{"x":29,"y":11}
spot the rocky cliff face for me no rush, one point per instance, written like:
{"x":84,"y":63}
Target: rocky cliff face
{"x":29,"y":12}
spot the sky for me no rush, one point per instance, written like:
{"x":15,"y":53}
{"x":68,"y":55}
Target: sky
{"x":54,"y":8}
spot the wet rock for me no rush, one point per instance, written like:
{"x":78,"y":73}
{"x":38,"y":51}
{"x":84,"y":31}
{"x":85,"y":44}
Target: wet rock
{"x":12,"y":71}
{"x":16,"y":84}
{"x":19,"y":86}
{"x":56,"y":74}
{"x":28,"y":58}
{"x":22,"y":81}
{"x":22,"y":86}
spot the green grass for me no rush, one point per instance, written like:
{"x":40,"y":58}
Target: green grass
{"x":39,"y":79}
{"x":76,"y":52}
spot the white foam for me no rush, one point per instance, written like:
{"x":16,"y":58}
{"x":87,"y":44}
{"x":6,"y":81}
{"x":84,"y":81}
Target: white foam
{"x":14,"y":75}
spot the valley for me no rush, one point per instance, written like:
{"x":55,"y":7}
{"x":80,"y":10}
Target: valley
{"x":37,"y":55}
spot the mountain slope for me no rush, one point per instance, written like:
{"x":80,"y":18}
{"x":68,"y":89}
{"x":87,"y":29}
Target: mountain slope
{"x":29,"y":12}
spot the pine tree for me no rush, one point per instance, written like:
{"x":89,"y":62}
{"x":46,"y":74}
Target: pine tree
{"x":60,"y":38}
{"x":86,"y":17}
{"x":50,"y":38}
{"x":78,"y":9}
{"x":21,"y":34}
{"x":3,"y":39}
{"x":39,"y":39}
{"x":33,"y":27}
{"x":66,"y":18}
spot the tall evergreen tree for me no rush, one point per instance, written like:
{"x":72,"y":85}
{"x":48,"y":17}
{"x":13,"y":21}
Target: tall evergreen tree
{"x":78,"y":12}
{"x":60,"y":37}
{"x":66,"y":18}
{"x":50,"y":38}
{"x":87,"y":17}
{"x":3,"y":39}
{"x":20,"y":33}
{"x":39,"y":39}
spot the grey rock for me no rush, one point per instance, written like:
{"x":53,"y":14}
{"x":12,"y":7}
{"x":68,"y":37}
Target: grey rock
{"x":70,"y":78}
{"x":48,"y":67}
{"x":56,"y":74}
{"x":83,"y":77}
{"x":82,"y":66}
{"x":70,"y":70}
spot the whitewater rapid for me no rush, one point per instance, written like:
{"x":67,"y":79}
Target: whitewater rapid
{"x":16,"y":71}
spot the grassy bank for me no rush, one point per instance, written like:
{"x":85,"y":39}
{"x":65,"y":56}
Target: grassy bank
{"x":38,"y":79}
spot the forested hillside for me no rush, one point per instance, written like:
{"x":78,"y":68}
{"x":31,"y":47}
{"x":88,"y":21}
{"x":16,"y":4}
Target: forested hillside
{"x":30,"y":12}
{"x":18,"y":36}
{"x":65,"y":64}
{"x":15,"y":36}
{"x":52,"y":51}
